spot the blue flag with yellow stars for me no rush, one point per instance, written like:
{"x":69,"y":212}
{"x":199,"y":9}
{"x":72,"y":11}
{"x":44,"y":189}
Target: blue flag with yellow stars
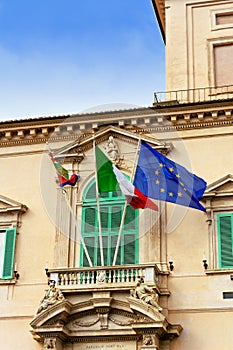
{"x":158,"y":177}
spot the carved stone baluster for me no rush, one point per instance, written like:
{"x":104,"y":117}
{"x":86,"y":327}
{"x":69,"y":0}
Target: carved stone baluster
{"x":78,"y":278}
{"x":75,"y":277}
{"x":114,"y":276}
{"x":127,"y":275}
{"x":61,"y":277}
{"x":65,"y":279}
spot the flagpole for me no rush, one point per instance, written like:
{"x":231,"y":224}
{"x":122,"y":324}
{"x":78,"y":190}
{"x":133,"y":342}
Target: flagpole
{"x":125,"y":207}
{"x":77,"y":225}
{"x":72,"y":214}
{"x":98,"y":209}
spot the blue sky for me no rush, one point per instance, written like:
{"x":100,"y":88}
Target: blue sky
{"x":60,"y":57}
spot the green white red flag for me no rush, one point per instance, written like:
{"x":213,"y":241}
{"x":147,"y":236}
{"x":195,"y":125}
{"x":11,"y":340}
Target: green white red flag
{"x":111,"y":179}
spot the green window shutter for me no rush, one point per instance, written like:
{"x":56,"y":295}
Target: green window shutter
{"x":129,"y":223}
{"x":225,"y":230}
{"x":104,"y":218}
{"x":91,"y":193}
{"x":9,"y":253}
{"x":90,"y":219}
{"x":116,"y":217}
{"x":129,"y":249}
{"x":90,"y":245}
{"x":112,"y":250}
{"x":111,"y":210}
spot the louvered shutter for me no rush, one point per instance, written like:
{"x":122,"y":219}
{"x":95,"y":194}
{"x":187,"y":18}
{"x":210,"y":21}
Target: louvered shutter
{"x":104,"y":214}
{"x":113,"y":248}
{"x":130,"y":222}
{"x":116,"y":218}
{"x":9,"y":253}
{"x":90,"y":245}
{"x":129,"y":249}
{"x":225,"y":228}
{"x":90,"y":219}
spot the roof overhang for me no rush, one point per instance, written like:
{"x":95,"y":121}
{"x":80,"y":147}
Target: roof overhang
{"x":159,"y":8}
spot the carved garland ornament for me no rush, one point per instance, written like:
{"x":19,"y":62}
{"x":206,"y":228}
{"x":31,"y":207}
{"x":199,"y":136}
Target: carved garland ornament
{"x":78,"y":323}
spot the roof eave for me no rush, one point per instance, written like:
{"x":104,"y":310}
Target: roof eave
{"x":159,"y":8}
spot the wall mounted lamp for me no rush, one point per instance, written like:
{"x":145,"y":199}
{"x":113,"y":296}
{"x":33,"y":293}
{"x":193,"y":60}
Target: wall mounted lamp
{"x":16,"y":273}
{"x":205,"y":263}
{"x":171,"y":265}
{"x":47,"y":269}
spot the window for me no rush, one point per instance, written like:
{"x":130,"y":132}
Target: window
{"x":223,"y":64}
{"x":221,"y":19}
{"x":224,"y":18}
{"x":225,"y":240}
{"x":7,"y":248}
{"x":111,"y":210}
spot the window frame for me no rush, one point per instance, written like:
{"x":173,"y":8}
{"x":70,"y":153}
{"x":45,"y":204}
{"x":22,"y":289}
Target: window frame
{"x":9,"y":253}
{"x":220,"y":234}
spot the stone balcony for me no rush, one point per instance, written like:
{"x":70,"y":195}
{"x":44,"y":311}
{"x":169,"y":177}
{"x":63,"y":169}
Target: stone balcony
{"x":122,"y":277}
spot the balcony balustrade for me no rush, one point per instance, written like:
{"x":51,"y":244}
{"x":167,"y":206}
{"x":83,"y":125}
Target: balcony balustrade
{"x":123,"y":276}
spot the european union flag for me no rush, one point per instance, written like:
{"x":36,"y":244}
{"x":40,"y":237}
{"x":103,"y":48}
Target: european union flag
{"x":158,"y":177}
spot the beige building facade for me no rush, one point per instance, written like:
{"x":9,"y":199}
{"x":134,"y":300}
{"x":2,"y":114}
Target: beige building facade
{"x":143,"y":279}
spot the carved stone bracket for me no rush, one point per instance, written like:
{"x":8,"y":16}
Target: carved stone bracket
{"x":150,"y":342}
{"x":53,"y":343}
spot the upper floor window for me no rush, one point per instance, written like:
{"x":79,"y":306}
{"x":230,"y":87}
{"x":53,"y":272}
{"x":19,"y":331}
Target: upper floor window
{"x":7,"y":249}
{"x":221,"y":19}
{"x":10,"y":220}
{"x":223,"y":72}
{"x":111,"y":210}
{"x":224,"y":18}
{"x":219,"y":209}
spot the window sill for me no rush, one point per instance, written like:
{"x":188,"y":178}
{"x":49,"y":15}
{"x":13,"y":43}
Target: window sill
{"x":7,"y":282}
{"x":219,"y":271}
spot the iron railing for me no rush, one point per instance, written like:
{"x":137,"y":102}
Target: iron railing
{"x":194,"y":95}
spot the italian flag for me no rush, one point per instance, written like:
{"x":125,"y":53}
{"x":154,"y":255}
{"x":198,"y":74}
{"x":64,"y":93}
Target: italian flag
{"x":111,"y":179}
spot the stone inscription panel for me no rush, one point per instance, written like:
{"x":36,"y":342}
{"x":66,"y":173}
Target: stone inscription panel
{"x":106,"y":346}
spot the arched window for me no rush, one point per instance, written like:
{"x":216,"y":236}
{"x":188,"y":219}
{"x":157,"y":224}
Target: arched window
{"x":111,"y":210}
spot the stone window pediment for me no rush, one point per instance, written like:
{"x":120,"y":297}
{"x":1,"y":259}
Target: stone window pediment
{"x":219,"y":208}
{"x":11,"y":211}
{"x":75,"y":151}
{"x":218,"y":195}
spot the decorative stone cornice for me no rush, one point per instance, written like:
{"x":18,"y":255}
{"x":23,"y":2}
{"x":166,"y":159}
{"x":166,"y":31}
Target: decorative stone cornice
{"x":139,"y":121}
{"x":68,"y":322}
